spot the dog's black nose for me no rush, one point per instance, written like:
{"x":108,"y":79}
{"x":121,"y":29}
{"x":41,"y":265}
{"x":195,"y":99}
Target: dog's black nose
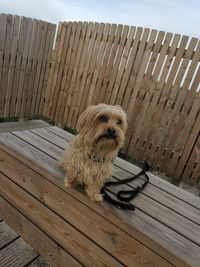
{"x":111,"y":132}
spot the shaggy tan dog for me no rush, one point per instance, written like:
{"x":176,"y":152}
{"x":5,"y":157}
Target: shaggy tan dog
{"x":89,"y":158}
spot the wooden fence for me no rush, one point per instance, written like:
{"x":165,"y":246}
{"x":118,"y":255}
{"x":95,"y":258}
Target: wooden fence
{"x":153,"y":75}
{"x":25,"y":48}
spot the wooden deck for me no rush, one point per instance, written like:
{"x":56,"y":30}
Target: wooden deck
{"x":15,"y":252}
{"x":69,"y":230}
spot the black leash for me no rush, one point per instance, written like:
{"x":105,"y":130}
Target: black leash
{"x":125,"y":196}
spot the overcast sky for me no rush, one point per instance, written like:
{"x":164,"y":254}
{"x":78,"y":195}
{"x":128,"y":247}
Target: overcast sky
{"x":177,"y":16}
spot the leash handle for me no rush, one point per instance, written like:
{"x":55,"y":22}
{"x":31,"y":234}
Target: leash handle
{"x":126,"y":195}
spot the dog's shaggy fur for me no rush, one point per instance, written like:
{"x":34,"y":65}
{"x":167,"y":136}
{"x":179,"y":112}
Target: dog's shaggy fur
{"x":89,"y":158}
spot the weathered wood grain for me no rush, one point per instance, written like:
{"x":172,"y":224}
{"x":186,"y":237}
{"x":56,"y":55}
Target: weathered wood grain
{"x":45,"y":245}
{"x":140,"y":219}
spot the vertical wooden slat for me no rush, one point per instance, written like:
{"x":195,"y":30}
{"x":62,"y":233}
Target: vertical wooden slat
{"x":163,"y":111}
{"x":158,"y":80}
{"x":88,"y":79}
{"x":103,"y":66}
{"x":108,"y":68}
{"x":138,"y":70}
{"x":82,"y":90}
{"x":145,"y":93}
{"x":3,"y":21}
{"x":52,"y":74}
{"x":169,"y":116}
{"x":46,"y":62}
{"x":74,"y":79}
{"x":22,"y":64}
{"x":6,"y":62}
{"x":122,"y":86}
{"x":187,"y":152}
{"x":26,"y":69}
{"x":156,"y":130}
{"x":20,"y":47}
{"x":191,"y":174}
{"x":69,"y":38}
{"x":9,"y":91}
{"x":155,"y":86}
{"x":125,"y":41}
{"x":58,"y":71}
{"x":32,"y":62}
{"x":70,"y":57}
{"x":65,"y":57}
{"x":33,"y":100}
{"x":179,"y":116}
{"x":70,"y":76}
{"x":128,"y":55}
{"x":64,"y":85}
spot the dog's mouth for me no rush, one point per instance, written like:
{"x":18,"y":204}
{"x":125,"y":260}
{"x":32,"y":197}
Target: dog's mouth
{"x":106,"y":136}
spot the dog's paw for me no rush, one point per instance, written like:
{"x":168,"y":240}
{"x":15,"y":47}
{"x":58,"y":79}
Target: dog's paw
{"x":68,"y":184}
{"x":96,"y":197}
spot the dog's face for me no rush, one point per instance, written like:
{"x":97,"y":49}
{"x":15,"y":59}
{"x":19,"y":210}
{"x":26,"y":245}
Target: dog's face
{"x":103,"y":127}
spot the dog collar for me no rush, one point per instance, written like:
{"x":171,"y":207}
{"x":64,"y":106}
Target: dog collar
{"x":96,"y":158}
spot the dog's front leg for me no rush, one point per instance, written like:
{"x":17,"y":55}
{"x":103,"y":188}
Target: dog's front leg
{"x":70,"y":179}
{"x":93,"y":192}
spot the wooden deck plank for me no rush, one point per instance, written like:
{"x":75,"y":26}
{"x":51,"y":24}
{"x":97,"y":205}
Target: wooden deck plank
{"x":172,"y":243}
{"x":50,"y":250}
{"x":22,"y":125}
{"x":159,"y":231}
{"x":118,"y":244}
{"x":13,"y":256}
{"x":50,"y":137}
{"x":43,"y":145}
{"x":118,"y":221}
{"x":152,"y":192}
{"x":7,"y":235}
{"x":133,"y":169}
{"x":39,"y":262}
{"x":127,"y":223}
{"x":163,"y":230}
{"x":65,"y":234}
{"x":177,"y":222}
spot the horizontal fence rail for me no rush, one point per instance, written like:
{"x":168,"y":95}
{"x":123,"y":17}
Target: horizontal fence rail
{"x":153,"y":75}
{"x":25,"y":49}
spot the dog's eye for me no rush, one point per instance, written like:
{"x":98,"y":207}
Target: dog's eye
{"x":119,"y":122}
{"x":103,"y":118}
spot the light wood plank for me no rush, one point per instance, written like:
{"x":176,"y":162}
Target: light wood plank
{"x":135,"y":220}
{"x":71,"y":213}
{"x":22,"y":125}
{"x":47,"y":247}
{"x":133,"y":169}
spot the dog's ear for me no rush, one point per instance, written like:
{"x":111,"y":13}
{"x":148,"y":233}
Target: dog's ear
{"x":124,"y":116}
{"x":85,"y":120}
